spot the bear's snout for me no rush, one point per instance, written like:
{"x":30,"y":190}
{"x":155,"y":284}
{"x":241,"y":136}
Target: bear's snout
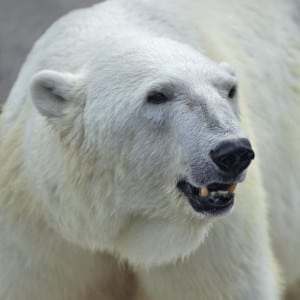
{"x":232,"y":156}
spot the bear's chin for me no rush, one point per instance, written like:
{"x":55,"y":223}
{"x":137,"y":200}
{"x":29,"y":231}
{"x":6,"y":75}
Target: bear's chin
{"x":140,"y":240}
{"x":158,"y":242}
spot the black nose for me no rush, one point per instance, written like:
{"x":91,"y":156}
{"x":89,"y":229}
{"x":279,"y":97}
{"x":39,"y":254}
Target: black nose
{"x":233,"y":156}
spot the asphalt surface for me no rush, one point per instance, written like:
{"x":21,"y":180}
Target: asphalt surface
{"x":21,"y":23}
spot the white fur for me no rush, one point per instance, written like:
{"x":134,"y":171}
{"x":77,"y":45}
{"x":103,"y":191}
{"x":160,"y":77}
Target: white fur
{"x":89,"y":207}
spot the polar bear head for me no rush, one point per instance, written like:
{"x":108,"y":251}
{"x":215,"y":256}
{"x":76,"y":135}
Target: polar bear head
{"x":138,"y":151}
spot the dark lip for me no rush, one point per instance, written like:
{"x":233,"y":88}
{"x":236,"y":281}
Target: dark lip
{"x":217,"y":204}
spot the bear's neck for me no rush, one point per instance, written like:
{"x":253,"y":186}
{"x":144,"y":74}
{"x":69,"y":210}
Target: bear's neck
{"x":15,"y":198}
{"x":33,"y":249}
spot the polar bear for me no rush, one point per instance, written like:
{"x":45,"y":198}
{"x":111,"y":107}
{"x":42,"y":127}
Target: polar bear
{"x":125,"y":144}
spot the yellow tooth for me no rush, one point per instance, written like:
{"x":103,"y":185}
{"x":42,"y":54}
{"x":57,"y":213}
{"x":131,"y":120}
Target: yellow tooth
{"x":204,"y":192}
{"x":232,"y":188}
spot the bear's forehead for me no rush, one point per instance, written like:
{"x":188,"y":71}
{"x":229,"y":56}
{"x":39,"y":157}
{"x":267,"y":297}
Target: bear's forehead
{"x":159,"y":59}
{"x":158,"y":51}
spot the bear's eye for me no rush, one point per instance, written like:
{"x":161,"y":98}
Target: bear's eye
{"x":232,"y":92}
{"x":157,"y":98}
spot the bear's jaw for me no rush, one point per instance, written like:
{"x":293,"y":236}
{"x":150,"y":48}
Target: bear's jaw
{"x":211,"y":200}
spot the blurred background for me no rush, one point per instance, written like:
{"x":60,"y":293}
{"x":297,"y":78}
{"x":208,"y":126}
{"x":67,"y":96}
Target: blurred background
{"x":21,"y":23}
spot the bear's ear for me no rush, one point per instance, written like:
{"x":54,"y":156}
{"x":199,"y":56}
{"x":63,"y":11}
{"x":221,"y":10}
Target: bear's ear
{"x":54,"y":93}
{"x":227,"y":67}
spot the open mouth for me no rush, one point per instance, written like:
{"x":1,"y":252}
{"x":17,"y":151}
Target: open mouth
{"x":213,"y":199}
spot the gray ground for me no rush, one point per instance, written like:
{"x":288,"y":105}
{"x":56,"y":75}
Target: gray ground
{"x":21,"y":23}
